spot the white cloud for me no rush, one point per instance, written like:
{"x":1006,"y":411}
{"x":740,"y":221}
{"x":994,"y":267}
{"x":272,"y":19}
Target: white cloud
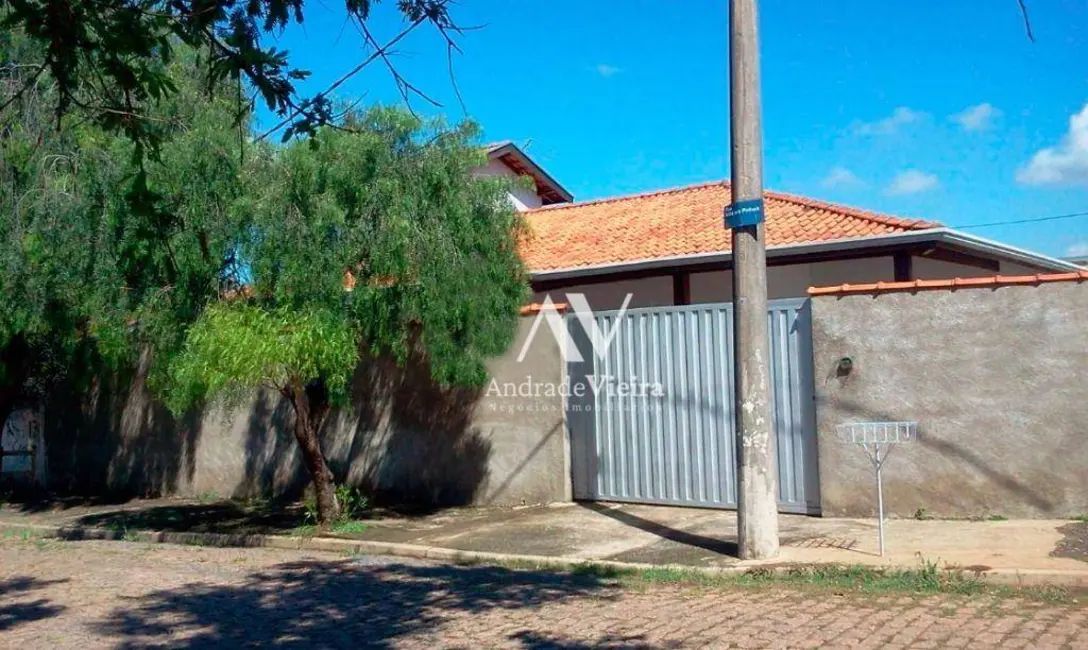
{"x":913,"y":181}
{"x":1079,"y":249}
{"x":606,"y":70}
{"x":841,"y":177}
{"x":899,"y":118}
{"x":1064,"y":164}
{"x":976,"y":118}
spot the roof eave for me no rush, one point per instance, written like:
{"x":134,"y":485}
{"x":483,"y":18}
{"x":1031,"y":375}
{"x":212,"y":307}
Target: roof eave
{"x":496,"y":152}
{"x":930,"y":235}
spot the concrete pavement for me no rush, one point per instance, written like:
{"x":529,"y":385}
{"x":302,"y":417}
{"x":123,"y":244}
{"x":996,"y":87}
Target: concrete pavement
{"x":652,"y":535}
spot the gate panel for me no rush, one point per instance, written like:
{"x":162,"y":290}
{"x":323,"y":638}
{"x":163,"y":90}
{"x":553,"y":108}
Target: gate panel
{"x":655,"y":421}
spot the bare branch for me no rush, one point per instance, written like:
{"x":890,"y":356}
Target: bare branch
{"x":1027,"y":20}
{"x":339,"y":82}
{"x":453,"y":78}
{"x":404,"y":87}
{"x":19,"y":93}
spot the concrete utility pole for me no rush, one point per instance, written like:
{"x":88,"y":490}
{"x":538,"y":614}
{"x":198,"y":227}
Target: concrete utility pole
{"x":757,"y":489}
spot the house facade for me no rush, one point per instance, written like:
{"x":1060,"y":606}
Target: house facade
{"x":669,"y":247}
{"x":987,"y":367}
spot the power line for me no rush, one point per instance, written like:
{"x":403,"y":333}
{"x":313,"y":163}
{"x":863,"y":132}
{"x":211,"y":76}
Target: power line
{"x":1016,"y":221}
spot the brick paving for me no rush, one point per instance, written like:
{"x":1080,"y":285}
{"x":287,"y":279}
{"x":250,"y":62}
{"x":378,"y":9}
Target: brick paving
{"x":112,"y":594}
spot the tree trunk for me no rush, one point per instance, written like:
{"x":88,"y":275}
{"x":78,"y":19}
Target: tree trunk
{"x":311,"y":405}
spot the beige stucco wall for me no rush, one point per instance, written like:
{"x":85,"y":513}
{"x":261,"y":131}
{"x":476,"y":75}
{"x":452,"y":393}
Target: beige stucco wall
{"x":404,"y":438}
{"x":645,"y":292}
{"x":790,"y":281}
{"x":995,"y":379}
{"x":521,"y":198}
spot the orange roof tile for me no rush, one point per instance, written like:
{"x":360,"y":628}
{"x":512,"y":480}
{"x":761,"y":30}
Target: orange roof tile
{"x":537,"y":307}
{"x":684,"y":221}
{"x":993,"y":281}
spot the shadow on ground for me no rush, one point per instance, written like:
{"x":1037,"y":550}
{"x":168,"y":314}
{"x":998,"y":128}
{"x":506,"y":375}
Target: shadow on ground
{"x":240,"y":517}
{"x":350,"y":604}
{"x":714,"y":545}
{"x":231,"y":518}
{"x":538,"y":641}
{"x":37,"y":501}
{"x":16,"y":609}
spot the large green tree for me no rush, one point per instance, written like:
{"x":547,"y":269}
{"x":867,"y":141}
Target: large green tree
{"x":374,"y":240}
{"x":237,"y":265}
{"x":103,"y":254}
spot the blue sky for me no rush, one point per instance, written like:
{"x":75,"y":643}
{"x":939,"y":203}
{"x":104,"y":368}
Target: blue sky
{"x":930,"y":109}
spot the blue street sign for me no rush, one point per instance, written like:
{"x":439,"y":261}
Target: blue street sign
{"x":744,"y":213}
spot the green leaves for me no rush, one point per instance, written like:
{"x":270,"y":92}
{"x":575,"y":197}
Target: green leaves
{"x":430,"y":246}
{"x":228,"y":259}
{"x":110,"y":60}
{"x":394,"y":205}
{"x":234,"y":348}
{"x":102,"y":248}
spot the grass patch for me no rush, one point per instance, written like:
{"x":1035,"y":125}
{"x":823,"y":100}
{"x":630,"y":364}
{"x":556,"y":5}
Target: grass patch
{"x":205,"y":498}
{"x":348,"y":527}
{"x":305,"y":530}
{"x":23,"y":535}
{"x":1081,"y":518}
{"x":997,"y":518}
{"x":927,"y":580}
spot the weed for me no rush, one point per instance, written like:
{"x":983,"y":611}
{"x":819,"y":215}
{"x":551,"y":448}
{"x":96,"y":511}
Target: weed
{"x":353,"y":503}
{"x":117,"y":525}
{"x":1081,"y":518}
{"x":205,"y":498}
{"x":997,"y":518}
{"x":921,"y":515}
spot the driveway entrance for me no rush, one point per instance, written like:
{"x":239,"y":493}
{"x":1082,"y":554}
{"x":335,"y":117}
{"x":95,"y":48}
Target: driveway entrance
{"x":656,"y":423}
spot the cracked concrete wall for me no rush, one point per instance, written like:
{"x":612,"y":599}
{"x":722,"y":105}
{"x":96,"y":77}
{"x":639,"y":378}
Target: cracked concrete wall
{"x":404,"y":440}
{"x":994,"y":377}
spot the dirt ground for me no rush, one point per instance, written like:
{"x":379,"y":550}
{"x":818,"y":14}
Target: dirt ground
{"x":90,"y":595}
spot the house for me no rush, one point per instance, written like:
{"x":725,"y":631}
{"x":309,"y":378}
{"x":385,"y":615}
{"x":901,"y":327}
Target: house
{"x":669,"y":247}
{"x":986,"y":358}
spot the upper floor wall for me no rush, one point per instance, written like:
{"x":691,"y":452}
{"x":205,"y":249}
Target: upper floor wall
{"x":521,"y":197}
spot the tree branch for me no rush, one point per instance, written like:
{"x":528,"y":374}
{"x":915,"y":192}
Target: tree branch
{"x":339,"y":82}
{"x":19,"y":93}
{"x":1027,"y":20}
{"x":403,"y":85}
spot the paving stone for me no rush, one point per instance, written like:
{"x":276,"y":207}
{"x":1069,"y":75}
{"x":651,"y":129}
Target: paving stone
{"x":90,"y":595}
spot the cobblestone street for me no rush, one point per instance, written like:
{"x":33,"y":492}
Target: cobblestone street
{"x":114,"y":594}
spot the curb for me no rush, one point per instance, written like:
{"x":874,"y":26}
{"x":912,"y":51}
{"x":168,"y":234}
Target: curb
{"x":339,"y":545}
{"x":1011,"y":577}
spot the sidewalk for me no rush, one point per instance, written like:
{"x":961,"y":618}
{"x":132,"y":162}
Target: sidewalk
{"x":1027,"y":550}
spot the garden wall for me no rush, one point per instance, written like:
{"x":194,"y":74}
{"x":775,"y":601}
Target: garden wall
{"x":996,"y":378}
{"x":405,"y":439}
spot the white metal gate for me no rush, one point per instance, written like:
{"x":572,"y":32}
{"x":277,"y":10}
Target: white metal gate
{"x":653,"y":420}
